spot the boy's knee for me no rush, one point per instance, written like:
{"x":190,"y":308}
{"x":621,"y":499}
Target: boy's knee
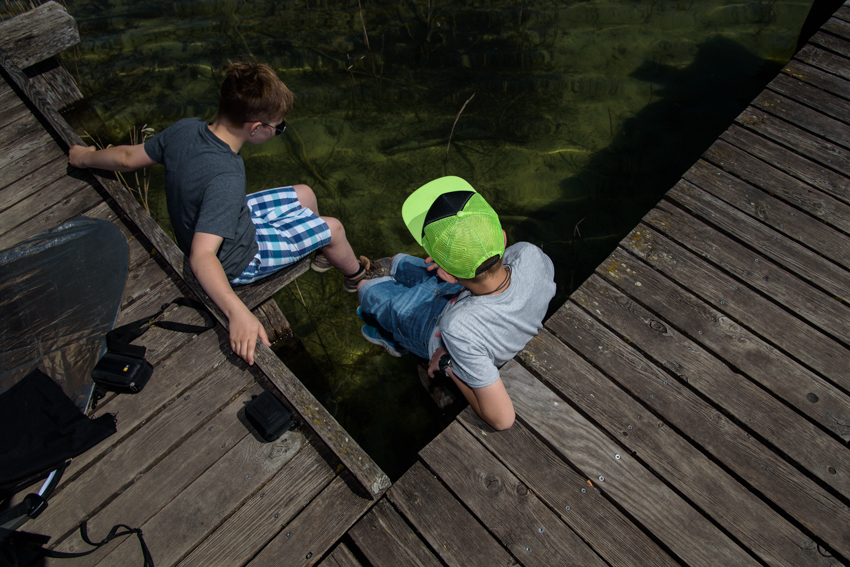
{"x":305,"y":190}
{"x":337,"y":230}
{"x":306,"y":196}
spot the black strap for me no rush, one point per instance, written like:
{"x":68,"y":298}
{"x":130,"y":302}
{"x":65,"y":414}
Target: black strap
{"x":118,"y":339}
{"x":35,"y":542}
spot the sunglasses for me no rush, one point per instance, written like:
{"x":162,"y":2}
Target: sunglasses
{"x":279,"y":129}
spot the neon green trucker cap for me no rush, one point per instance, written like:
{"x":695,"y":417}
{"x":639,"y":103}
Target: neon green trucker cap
{"x":454,"y":224}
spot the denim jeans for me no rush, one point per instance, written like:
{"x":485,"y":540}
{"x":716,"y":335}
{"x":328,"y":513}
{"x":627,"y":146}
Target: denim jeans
{"x":407,"y":303}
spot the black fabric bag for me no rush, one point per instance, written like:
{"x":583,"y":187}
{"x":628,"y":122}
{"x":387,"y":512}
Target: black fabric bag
{"x":268,"y":416}
{"x":123,"y":368}
{"x":40,"y":428}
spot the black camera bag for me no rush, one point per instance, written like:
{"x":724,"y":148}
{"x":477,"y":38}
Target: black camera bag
{"x":123,"y":368}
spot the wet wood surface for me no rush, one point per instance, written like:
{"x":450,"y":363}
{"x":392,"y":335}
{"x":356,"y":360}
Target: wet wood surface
{"x":690,"y":403}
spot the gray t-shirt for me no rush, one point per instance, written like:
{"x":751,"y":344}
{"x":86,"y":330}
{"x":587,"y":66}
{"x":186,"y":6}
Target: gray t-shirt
{"x":205,"y":191}
{"x":483,"y":332}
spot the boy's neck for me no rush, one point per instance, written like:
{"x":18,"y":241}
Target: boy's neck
{"x":233,"y":137}
{"x":491,"y":286}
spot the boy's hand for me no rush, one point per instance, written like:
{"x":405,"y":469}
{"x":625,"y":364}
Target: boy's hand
{"x":434,"y":363}
{"x":77,"y":153}
{"x":244,"y":330}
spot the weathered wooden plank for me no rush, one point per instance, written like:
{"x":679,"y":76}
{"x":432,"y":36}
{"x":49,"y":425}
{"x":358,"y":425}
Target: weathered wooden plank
{"x":785,"y":252}
{"x":827,"y":103}
{"x":38,"y":33}
{"x":804,"y":117}
{"x":825,"y":60}
{"x":721,"y":334}
{"x":266,"y":513}
{"x":774,"y":182}
{"x":164,"y":482}
{"x":831,"y":42}
{"x":820,"y":79}
{"x":31,"y":184}
{"x":838,"y":25}
{"x":141,"y":280}
{"x":149,"y":302}
{"x":171,"y":379}
{"x":358,"y":462}
{"x":190,"y":517}
{"x":820,"y":310}
{"x":12,"y":110}
{"x":57,"y":84}
{"x":70,"y":206}
{"x":670,"y":456}
{"x":843,"y":13}
{"x":790,"y":162}
{"x":830,"y":358}
{"x":314,"y":531}
{"x":723,"y":385}
{"x":444,"y":523}
{"x":8,"y":97}
{"x":273,"y":321}
{"x":42,"y":150}
{"x":596,"y":520}
{"x":119,"y":467}
{"x":41,"y":201}
{"x":668,"y":516}
{"x":503,"y":503}
{"x":341,"y":556}
{"x":387,"y":541}
{"x":784,"y":218}
{"x":15,"y":135}
{"x":773,"y":538}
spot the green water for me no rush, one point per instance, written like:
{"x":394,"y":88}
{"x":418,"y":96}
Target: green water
{"x":578,"y":117}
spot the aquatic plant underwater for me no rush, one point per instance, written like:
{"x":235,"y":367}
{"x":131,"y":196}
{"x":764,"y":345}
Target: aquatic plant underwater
{"x":571,"y":117}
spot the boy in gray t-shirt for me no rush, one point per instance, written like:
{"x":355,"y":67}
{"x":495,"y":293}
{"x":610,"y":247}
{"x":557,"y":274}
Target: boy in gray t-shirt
{"x":474,"y":308}
{"x":230,"y":239}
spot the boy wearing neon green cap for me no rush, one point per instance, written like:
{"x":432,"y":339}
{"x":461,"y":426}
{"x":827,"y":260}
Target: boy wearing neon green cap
{"x":473,"y":308}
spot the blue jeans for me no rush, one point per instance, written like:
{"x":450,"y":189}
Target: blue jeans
{"x":407,"y":303}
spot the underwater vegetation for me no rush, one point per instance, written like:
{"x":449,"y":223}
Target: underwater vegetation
{"x":571,"y":117}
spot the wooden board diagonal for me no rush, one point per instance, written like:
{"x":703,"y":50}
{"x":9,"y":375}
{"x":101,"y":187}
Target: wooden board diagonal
{"x":605,"y":528}
{"x":683,"y":529}
{"x":503,"y":503}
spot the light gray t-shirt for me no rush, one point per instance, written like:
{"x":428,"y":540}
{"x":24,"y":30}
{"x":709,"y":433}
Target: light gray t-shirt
{"x":205,"y":191}
{"x":483,"y":332}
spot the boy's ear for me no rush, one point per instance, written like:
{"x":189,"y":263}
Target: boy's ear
{"x":445,"y":276}
{"x":505,"y":234}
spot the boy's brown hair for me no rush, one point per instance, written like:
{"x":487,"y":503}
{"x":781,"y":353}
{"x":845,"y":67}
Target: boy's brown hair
{"x":252,"y":92}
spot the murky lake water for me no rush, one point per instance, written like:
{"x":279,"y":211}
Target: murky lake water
{"x":578,"y":116}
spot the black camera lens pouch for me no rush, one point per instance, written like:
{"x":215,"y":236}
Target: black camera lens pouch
{"x":268,"y":416}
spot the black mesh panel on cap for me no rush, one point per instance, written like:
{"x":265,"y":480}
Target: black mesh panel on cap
{"x":447,"y":205}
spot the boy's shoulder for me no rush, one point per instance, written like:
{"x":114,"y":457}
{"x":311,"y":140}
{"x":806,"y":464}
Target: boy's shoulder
{"x":530,"y":256}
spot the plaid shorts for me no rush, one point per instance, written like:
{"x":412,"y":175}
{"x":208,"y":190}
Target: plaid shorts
{"x":286,"y":232}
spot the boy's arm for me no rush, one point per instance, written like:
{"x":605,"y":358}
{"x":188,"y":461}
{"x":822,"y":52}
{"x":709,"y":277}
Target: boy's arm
{"x":244,"y":326}
{"x":116,"y":158}
{"x":492,"y":403}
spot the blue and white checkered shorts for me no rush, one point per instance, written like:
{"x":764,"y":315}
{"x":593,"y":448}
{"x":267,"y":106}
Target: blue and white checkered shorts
{"x":286,"y":232}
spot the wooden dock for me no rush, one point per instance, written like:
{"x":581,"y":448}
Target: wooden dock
{"x":689,"y":405}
